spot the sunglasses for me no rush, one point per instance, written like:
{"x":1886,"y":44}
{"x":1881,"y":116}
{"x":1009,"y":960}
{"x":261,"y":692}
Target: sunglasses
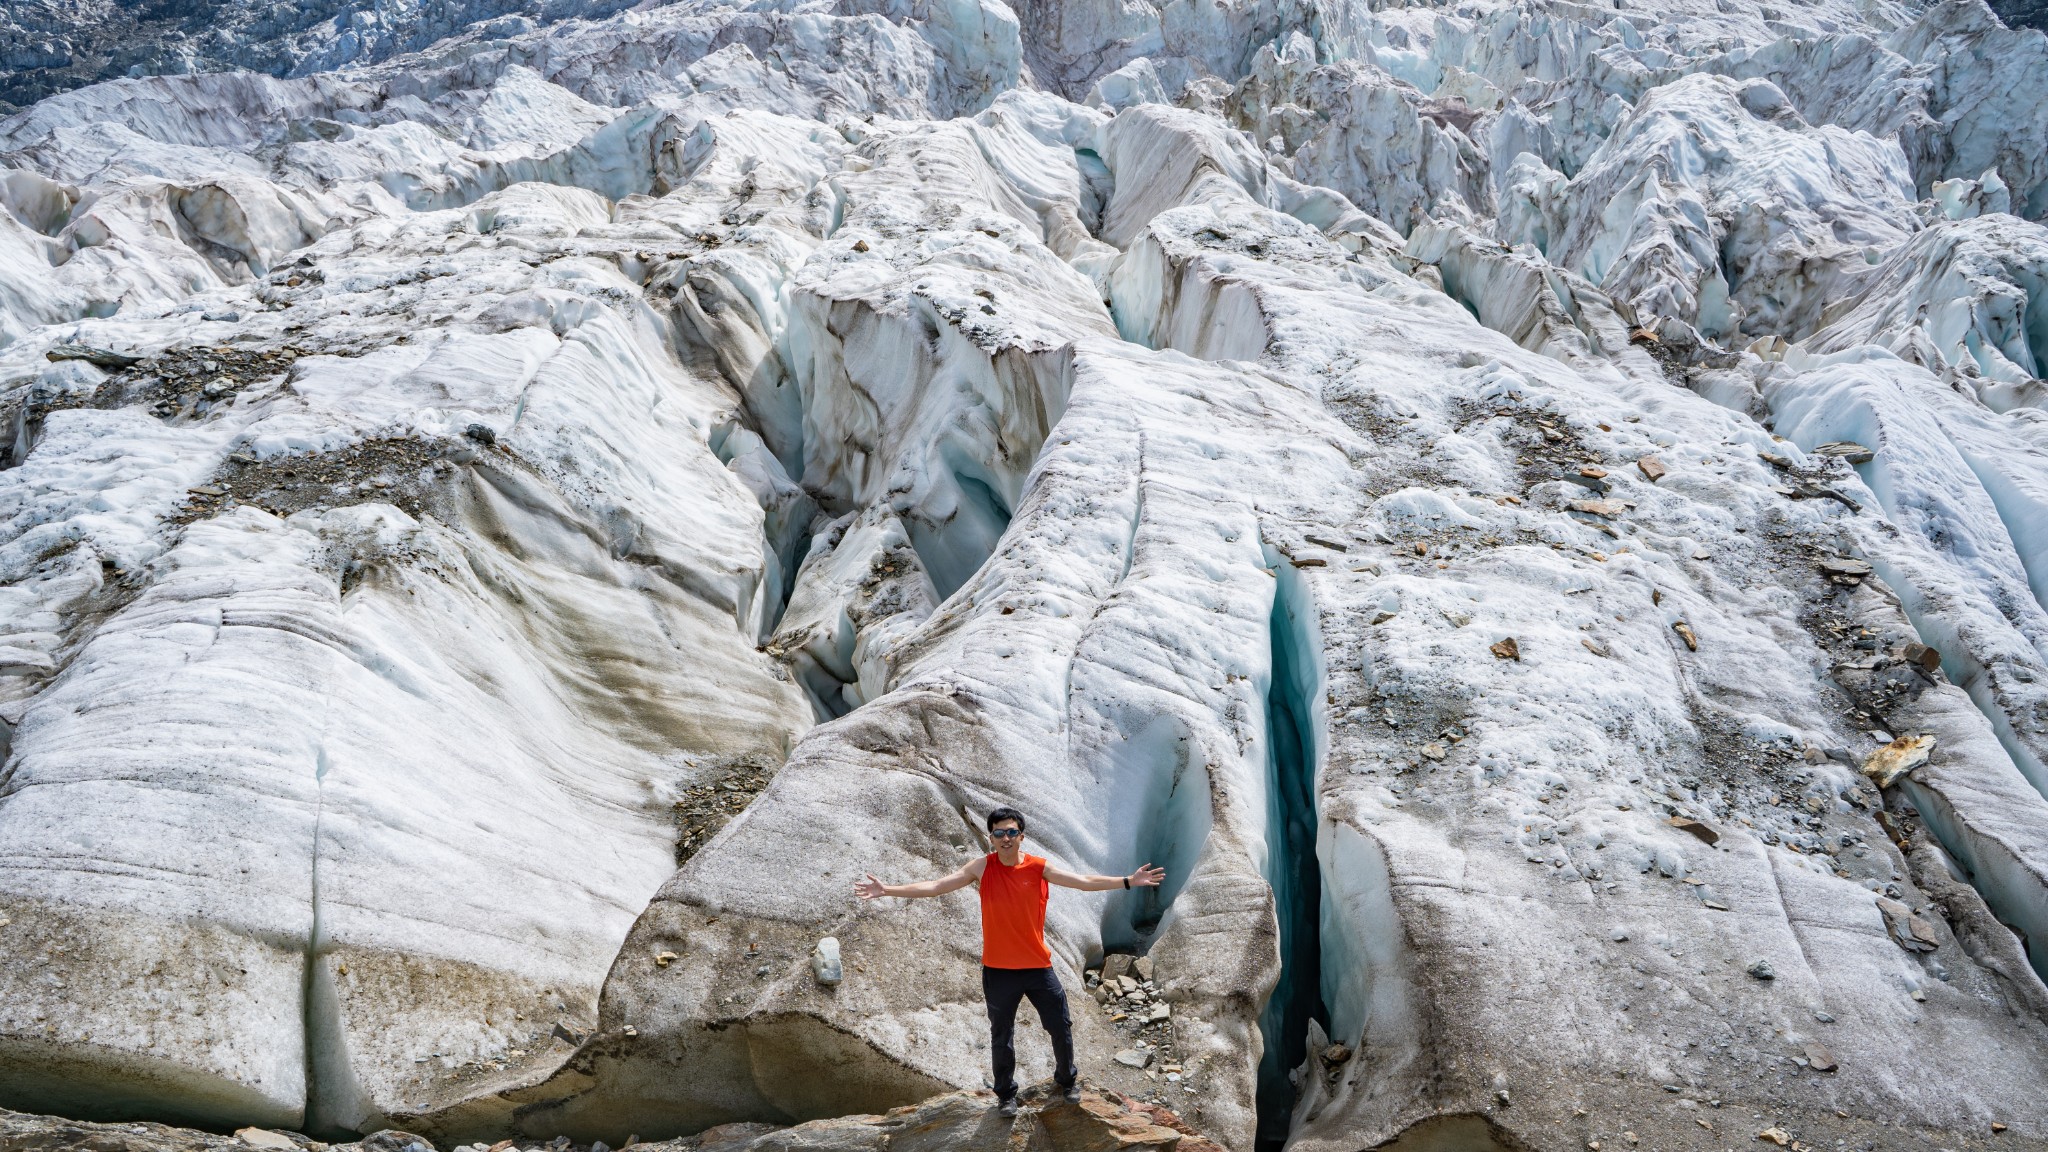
{"x":1007,"y":833}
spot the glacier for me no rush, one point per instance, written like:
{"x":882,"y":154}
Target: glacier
{"x":1466,"y":488}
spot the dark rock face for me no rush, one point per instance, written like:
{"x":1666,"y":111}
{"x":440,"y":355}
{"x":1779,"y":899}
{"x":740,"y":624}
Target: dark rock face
{"x":51,"y":46}
{"x":2022,"y":13}
{"x":28,"y":1132}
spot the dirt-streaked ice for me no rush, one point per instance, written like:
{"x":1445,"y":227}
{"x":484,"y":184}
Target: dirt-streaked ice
{"x":1464,"y":489}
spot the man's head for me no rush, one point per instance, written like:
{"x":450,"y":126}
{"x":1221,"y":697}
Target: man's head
{"x":1006,"y":827}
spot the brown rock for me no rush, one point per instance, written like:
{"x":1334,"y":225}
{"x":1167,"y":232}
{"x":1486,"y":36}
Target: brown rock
{"x":1818,"y":1057}
{"x":967,"y":1122}
{"x":1848,"y":450}
{"x":1507,"y":649}
{"x":1652,"y":468}
{"x":1598,"y":507}
{"x":1923,"y":930}
{"x":1687,"y":824}
{"x":1924,"y":656}
{"x":1102,"y":1121}
{"x":1685,"y":633}
{"x":1897,"y":758}
{"x":1908,"y":930}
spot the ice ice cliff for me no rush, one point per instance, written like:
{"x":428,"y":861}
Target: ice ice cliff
{"x":1535,"y":514}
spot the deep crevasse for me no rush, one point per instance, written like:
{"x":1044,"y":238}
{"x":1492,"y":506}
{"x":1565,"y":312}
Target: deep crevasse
{"x":615,"y":356}
{"x":1293,"y":740}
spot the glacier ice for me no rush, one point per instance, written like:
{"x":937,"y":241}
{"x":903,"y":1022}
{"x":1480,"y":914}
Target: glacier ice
{"x":1967,"y":300}
{"x":1376,"y":462}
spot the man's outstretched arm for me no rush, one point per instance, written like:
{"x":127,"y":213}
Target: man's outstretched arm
{"x":1146,"y":877}
{"x":969,"y":872}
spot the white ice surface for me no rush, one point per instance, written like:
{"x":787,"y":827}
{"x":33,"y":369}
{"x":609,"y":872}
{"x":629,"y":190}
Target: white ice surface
{"x":707,"y":371}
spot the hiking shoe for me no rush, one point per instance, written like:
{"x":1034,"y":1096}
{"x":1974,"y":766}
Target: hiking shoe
{"x":1072,"y":1093}
{"x":1007,"y":1106}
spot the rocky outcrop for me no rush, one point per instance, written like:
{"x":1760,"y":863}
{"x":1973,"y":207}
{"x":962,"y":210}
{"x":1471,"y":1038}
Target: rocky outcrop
{"x":956,"y":1122}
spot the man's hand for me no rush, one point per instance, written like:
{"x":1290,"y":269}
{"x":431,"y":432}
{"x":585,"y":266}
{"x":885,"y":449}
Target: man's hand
{"x":968,"y":873}
{"x":1146,"y":877}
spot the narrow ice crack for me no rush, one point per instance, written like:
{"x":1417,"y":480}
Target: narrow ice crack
{"x":1137,"y":517}
{"x":1292,"y":868}
{"x":1130,"y":558}
{"x":309,"y":994}
{"x":2022,"y":526}
{"x":1966,"y":673}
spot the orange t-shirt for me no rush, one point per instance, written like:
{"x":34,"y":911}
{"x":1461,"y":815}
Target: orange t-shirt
{"x":1013,"y":914}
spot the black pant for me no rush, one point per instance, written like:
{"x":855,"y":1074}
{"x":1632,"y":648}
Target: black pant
{"x":1003,"y":988}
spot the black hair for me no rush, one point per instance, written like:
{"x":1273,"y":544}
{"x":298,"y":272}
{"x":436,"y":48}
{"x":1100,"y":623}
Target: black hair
{"x":1005,"y":813}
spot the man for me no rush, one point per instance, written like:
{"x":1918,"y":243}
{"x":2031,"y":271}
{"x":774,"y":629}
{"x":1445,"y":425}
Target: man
{"x":1015,"y":963}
